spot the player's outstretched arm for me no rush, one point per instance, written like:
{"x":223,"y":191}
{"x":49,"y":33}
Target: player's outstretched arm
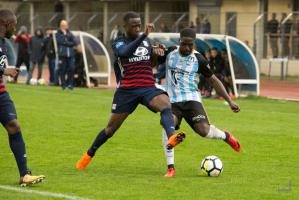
{"x":126,"y":50}
{"x":159,"y":54}
{"x":218,"y":86}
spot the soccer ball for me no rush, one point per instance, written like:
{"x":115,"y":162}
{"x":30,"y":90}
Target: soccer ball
{"x":41,"y":81}
{"x":212,"y":166}
{"x":33,"y":81}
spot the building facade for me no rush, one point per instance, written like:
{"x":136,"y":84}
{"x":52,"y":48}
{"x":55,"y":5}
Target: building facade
{"x":244,"y":19}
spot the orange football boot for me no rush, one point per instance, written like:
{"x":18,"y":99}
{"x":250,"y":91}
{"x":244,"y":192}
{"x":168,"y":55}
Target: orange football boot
{"x":176,"y":139}
{"x":83,"y":162}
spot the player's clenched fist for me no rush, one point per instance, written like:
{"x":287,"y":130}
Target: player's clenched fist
{"x":159,"y":50}
{"x":234,"y":107}
{"x":149,"y":28}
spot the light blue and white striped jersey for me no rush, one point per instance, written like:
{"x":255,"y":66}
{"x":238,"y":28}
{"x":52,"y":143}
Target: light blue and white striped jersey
{"x":182,"y":77}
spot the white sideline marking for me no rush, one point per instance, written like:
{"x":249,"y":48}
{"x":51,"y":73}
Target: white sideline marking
{"x":42,"y":193}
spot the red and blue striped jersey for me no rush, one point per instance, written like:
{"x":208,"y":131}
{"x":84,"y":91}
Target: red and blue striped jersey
{"x":134,"y":62}
{"x":3,"y":63}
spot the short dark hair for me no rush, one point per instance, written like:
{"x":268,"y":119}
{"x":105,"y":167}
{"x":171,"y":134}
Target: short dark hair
{"x":188,"y":32}
{"x":5,"y":14}
{"x":214,"y":48}
{"x":130,"y":15}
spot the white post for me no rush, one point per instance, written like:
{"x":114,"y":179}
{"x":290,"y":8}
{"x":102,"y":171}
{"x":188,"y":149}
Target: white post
{"x":146,"y":13}
{"x":84,"y":60}
{"x":105,"y":23}
{"x":192,"y":11}
{"x":260,"y":30}
{"x":31,"y":17}
{"x":67,"y":11}
{"x":231,"y":66}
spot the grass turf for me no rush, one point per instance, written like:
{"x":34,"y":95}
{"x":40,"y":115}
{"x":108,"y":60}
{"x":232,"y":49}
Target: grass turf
{"x":58,"y":126}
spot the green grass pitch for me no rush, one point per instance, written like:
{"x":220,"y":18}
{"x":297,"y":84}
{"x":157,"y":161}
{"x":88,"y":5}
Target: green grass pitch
{"x":58,"y":126}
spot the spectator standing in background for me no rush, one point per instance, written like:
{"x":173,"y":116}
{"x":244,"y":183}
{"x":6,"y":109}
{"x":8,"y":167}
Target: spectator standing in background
{"x":101,"y":36}
{"x":66,"y":43}
{"x":197,"y":22}
{"x":192,"y":25}
{"x":217,"y":65}
{"x":163,"y":28}
{"x":285,"y":31}
{"x":204,"y":85}
{"x":36,"y":54}
{"x":272,"y":28}
{"x":22,"y":39}
{"x":49,"y":51}
{"x":205,"y":26}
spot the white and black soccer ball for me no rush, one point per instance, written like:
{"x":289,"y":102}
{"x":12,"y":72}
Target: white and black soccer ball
{"x":33,"y":81}
{"x":212,"y":166}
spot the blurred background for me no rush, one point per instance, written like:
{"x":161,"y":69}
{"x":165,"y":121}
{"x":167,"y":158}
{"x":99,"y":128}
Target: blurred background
{"x":270,"y":28}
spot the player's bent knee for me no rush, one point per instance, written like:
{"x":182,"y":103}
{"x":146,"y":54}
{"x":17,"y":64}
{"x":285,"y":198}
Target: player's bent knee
{"x":13,"y":127}
{"x":202,"y":129}
{"x":160,"y":102}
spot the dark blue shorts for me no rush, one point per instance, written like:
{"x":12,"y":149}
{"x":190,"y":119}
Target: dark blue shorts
{"x":127,"y":100}
{"x":7,"y":109}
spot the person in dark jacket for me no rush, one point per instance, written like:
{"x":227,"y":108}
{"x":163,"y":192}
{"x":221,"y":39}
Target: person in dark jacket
{"x":272,"y":29}
{"x":36,"y":54}
{"x":205,"y":26}
{"x":49,"y":51}
{"x":217,"y":65}
{"x":66,"y":43}
{"x":22,"y":39}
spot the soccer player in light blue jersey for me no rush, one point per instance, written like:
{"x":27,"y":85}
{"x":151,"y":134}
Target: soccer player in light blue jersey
{"x":183,"y":66}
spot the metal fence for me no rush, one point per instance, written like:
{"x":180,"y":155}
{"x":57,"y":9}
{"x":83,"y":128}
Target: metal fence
{"x":252,"y":28}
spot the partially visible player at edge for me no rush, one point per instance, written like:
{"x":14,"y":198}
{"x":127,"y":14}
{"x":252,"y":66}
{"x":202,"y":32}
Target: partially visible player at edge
{"x":8,"y":115}
{"x":183,"y":66}
{"x":136,"y":85}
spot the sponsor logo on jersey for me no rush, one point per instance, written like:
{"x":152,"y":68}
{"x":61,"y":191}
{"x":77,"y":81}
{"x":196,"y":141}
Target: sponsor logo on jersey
{"x":141,"y":51}
{"x":113,"y":106}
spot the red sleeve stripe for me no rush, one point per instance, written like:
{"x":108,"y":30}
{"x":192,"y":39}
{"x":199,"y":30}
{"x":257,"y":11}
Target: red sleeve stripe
{"x":137,"y":80}
{"x":136,"y":85}
{"x":2,"y":89}
{"x":138,"y":72}
{"x":138,"y":76}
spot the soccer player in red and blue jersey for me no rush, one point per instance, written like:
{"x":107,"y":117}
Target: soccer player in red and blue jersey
{"x":136,"y":85}
{"x":8,"y":115}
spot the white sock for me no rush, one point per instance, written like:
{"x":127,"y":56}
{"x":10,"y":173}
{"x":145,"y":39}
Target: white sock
{"x":168,"y":153}
{"x":215,"y":133}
